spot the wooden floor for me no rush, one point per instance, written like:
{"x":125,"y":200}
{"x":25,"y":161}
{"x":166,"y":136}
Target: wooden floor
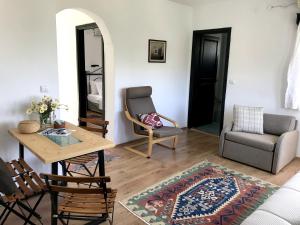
{"x":131,"y":173}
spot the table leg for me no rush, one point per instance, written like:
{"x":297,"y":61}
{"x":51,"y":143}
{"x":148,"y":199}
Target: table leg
{"x":101,"y":163}
{"x":21,"y":151}
{"x":54,"y":197}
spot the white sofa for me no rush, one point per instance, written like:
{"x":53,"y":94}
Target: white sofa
{"x":282,"y":208}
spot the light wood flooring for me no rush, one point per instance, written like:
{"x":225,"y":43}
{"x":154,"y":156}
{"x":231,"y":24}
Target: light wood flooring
{"x":132,"y":173}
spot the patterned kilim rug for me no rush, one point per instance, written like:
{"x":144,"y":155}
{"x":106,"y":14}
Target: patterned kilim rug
{"x":204,"y":194}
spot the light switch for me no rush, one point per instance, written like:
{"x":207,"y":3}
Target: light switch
{"x":43,"y":89}
{"x":232,"y":82}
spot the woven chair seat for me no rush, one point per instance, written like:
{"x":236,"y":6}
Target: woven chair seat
{"x":83,"y":159}
{"x":87,"y":203}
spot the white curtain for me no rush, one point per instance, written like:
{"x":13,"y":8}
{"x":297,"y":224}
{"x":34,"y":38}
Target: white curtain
{"x":292,"y":96}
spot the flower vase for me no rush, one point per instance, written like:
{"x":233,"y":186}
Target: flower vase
{"x":45,"y":121}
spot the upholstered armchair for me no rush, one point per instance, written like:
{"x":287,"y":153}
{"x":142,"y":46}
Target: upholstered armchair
{"x":271,"y":151}
{"x":138,"y":101}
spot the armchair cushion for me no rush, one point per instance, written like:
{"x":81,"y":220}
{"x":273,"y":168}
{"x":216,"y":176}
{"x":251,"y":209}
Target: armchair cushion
{"x":138,"y":92}
{"x":265,"y":142}
{"x":138,"y":101}
{"x":164,"y":131}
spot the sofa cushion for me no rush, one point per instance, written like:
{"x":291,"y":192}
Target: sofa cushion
{"x":248,"y":119}
{"x":279,"y":124}
{"x":293,"y":183}
{"x":265,"y":142}
{"x":285,"y":204}
{"x":260,"y":217}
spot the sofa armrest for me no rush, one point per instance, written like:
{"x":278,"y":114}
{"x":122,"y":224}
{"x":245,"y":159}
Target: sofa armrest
{"x":285,"y":150}
{"x":222,"y":138}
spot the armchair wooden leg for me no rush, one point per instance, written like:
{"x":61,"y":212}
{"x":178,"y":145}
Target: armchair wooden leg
{"x":150,"y":146}
{"x":175,"y":141}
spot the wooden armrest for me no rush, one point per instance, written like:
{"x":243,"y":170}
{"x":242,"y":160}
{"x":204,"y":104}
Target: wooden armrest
{"x":148,"y":128}
{"x":168,"y":119}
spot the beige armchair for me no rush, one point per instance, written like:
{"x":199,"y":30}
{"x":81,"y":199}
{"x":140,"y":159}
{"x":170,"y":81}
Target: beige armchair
{"x":271,"y":151}
{"x":138,"y":100}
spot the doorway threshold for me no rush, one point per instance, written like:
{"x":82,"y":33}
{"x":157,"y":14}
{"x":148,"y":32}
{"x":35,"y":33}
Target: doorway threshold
{"x":212,"y":128}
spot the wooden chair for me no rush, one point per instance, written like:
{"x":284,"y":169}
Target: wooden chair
{"x":99,"y":126}
{"x":138,"y":101}
{"x":26,"y":184}
{"x":95,"y":205}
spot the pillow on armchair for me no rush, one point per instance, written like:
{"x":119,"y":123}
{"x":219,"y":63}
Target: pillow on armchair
{"x":151,"y":119}
{"x":248,"y":119}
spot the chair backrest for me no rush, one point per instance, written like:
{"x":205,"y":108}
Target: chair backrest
{"x":138,"y":101}
{"x":279,"y":124}
{"x":99,"y":125}
{"x":61,"y":180}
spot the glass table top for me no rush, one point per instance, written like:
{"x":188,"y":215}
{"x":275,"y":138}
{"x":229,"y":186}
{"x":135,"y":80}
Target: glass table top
{"x":62,"y":136}
{"x":63,"y":140}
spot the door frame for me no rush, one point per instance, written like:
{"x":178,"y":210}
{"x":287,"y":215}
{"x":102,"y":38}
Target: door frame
{"x":82,"y":89}
{"x":226,"y":30}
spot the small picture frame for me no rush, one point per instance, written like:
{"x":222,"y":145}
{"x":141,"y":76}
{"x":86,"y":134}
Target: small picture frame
{"x":157,"y":51}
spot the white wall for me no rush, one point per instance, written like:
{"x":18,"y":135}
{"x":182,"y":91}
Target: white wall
{"x":131,"y":23}
{"x":93,"y":50}
{"x":28,"y":60}
{"x":261,"y":44}
{"x":66,"y":21}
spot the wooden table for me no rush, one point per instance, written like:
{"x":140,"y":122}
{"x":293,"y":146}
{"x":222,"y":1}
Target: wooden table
{"x":50,"y":152}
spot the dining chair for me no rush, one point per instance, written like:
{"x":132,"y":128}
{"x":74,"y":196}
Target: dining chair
{"x":69,"y":165}
{"x":77,"y":202}
{"x":18,"y":184}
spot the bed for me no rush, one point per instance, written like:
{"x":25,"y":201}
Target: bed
{"x":95,"y":102}
{"x":94,"y":97}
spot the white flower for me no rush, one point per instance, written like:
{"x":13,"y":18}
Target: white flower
{"x":29,"y":111}
{"x":46,"y":99}
{"x":44,"y":107}
{"x":55,"y":105}
{"x":46,"y":104}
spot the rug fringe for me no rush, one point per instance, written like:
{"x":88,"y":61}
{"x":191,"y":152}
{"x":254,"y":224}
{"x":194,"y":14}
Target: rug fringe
{"x":134,"y":213}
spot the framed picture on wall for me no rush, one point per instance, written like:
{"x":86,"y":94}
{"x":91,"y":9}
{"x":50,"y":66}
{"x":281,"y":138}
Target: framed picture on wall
{"x":157,"y":51}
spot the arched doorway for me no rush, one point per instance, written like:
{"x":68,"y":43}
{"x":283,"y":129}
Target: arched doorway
{"x":66,"y":21}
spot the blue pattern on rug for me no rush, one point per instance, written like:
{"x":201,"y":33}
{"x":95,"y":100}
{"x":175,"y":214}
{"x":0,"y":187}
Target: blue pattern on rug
{"x":205,"y":197}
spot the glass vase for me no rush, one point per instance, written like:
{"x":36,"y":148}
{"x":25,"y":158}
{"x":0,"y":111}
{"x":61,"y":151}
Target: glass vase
{"x":45,"y":120}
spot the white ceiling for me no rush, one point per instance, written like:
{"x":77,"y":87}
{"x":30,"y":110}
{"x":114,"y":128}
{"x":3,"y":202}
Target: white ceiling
{"x":185,"y":2}
{"x":194,"y":2}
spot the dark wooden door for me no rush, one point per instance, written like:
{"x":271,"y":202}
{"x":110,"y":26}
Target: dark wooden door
{"x":203,"y":78}
{"x":82,"y":86}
